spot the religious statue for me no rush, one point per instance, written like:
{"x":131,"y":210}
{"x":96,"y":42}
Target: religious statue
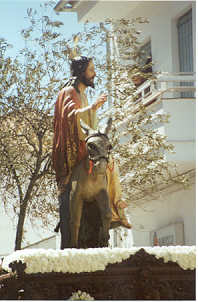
{"x":74,"y":120}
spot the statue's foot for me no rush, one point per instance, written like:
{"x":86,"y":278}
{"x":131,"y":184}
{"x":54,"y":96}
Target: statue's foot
{"x":122,"y":204}
{"x":123,"y":223}
{"x":126,"y":224}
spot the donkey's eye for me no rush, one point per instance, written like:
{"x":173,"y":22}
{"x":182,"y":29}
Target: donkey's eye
{"x":92,"y":146}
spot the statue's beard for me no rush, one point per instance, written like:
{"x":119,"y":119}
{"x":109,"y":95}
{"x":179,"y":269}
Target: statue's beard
{"x":87,"y":82}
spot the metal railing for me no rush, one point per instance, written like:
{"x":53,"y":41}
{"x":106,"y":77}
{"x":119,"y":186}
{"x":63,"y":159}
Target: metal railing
{"x":166,"y":85}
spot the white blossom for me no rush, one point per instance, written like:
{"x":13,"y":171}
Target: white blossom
{"x":91,"y":260}
{"x":79,"y":295}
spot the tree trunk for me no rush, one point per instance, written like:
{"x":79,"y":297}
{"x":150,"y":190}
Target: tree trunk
{"x":20,"y":224}
{"x":23,"y":207}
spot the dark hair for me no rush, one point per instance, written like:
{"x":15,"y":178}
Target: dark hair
{"x":79,"y":65}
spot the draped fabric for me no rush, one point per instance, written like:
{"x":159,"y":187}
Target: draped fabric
{"x":68,"y":143}
{"x":114,"y":191}
{"x":69,"y":146}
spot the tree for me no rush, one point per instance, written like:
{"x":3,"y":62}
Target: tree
{"x":139,"y":147}
{"x":29,"y":87}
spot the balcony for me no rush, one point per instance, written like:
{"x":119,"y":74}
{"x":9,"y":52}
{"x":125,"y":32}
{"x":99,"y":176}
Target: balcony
{"x":166,"y":86}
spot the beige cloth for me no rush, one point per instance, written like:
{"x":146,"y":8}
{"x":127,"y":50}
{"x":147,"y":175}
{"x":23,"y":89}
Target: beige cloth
{"x":114,"y":187}
{"x":114,"y":191}
{"x":89,"y":116}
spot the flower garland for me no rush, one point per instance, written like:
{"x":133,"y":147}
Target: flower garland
{"x":79,"y":295}
{"x":91,"y":260}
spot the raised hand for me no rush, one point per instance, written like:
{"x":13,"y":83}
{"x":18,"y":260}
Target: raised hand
{"x":99,"y":102}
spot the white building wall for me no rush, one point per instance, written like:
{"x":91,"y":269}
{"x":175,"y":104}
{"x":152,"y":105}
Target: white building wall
{"x":8,"y":233}
{"x":166,"y":210}
{"x":169,"y":208}
{"x":179,"y":206}
{"x":182,"y":122}
{"x":47,"y":243}
{"x":162,"y":30}
{"x":181,"y":130}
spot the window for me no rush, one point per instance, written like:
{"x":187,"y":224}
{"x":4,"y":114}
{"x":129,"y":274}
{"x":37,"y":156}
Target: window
{"x":184,"y":27}
{"x":144,"y":62}
{"x":145,"y":56}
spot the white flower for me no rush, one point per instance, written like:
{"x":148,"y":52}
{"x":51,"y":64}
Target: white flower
{"x":91,"y":260}
{"x":81,"y":296}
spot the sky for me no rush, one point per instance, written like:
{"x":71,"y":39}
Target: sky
{"x":12,"y":21}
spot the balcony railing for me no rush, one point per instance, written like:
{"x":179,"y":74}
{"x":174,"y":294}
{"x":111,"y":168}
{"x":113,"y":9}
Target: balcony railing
{"x":166,"y":85}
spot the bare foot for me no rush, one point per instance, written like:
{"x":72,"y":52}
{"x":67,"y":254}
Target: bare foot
{"x":126,"y":224}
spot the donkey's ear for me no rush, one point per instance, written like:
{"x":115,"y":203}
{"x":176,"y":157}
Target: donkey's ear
{"x":86,"y":129}
{"x":108,"y":126}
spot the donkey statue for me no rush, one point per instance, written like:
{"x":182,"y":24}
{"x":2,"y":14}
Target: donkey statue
{"x":89,"y":201}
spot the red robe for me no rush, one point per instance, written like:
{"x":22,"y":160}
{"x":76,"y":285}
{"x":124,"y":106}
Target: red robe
{"x":68,"y":149}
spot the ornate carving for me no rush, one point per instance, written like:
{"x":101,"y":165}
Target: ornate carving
{"x":141,"y":277}
{"x":18,"y":267}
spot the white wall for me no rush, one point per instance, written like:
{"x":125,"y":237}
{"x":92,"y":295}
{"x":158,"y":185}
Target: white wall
{"x":8,"y":232}
{"x":161,"y":30}
{"x":179,"y":206}
{"x":170,"y":208}
{"x":182,"y":125}
{"x":180,"y":130}
{"x":47,"y":243}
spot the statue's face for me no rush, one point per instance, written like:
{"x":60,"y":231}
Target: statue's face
{"x":87,"y":78}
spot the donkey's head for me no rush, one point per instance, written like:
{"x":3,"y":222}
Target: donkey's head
{"x":97,"y":143}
